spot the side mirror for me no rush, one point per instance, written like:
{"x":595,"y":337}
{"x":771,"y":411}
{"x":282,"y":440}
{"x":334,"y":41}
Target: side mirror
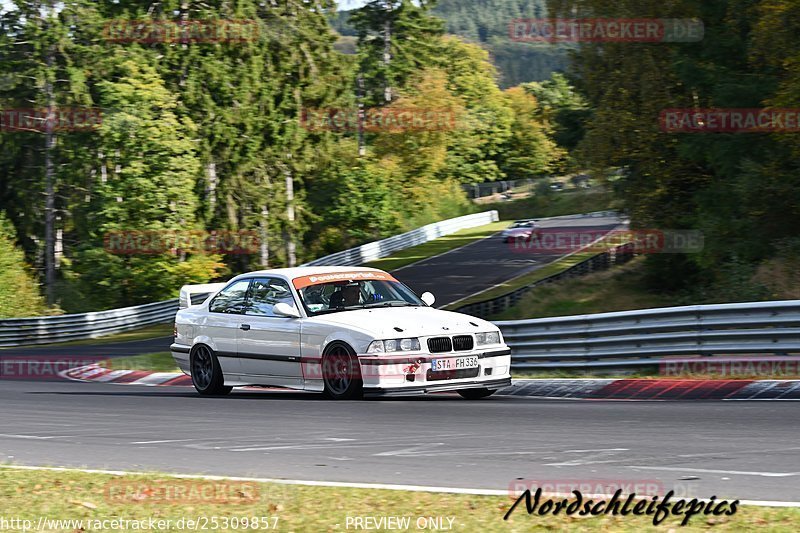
{"x":286,"y":310}
{"x":428,"y":298}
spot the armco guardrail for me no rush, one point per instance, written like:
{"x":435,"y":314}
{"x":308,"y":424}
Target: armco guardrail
{"x":646,"y":337}
{"x":376,"y":250}
{"x":49,"y":329}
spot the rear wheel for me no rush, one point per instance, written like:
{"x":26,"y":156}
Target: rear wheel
{"x":341,"y":373}
{"x":475,"y":394}
{"x":207,"y":375}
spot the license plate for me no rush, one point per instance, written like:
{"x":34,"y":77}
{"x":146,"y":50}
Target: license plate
{"x":454,"y":363}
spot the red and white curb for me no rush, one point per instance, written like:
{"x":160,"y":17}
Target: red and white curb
{"x":563,"y":389}
{"x":100,"y":374}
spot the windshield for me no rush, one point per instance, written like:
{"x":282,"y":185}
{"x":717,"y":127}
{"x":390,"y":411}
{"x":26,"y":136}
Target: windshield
{"x":349,"y":295}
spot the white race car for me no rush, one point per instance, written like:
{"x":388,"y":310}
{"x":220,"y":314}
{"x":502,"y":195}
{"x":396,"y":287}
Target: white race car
{"x":343,"y":331}
{"x":519,"y":230}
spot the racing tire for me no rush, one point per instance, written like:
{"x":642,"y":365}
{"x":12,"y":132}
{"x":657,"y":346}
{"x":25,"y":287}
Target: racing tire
{"x":475,"y":394}
{"x":206,"y":373}
{"x":341,"y":373}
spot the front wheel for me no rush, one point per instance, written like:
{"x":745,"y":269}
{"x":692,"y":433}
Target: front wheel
{"x":207,"y":375}
{"x":475,"y":394}
{"x":341,"y":374}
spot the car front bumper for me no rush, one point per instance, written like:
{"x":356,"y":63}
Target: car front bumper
{"x":440,"y":387}
{"x":413,"y":374}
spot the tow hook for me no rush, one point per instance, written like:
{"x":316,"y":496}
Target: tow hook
{"x":411,"y":370}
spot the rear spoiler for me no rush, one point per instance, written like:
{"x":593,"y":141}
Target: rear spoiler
{"x":197,"y":294}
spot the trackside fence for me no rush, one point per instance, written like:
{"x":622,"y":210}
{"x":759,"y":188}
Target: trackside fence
{"x":650,"y":336}
{"x":49,"y":329}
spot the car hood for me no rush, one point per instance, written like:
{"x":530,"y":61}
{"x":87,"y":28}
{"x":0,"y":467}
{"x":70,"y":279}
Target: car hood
{"x":383,"y":323}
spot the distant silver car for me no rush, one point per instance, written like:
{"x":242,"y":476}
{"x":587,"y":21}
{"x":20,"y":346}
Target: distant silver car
{"x":520,"y":229}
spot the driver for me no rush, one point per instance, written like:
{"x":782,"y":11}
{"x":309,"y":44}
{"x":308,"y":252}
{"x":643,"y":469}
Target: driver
{"x":351,"y":295}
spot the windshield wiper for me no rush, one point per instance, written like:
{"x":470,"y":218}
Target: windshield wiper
{"x":390,"y":304}
{"x":334,"y":310}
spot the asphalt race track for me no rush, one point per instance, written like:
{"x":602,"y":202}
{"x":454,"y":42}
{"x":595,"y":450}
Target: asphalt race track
{"x":746,"y":450}
{"x":485,"y":263}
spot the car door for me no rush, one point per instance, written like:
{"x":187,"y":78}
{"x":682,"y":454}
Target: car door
{"x":269,"y":345}
{"x":225,"y":313}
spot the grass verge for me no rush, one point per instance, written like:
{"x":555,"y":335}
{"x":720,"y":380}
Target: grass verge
{"x":621,"y":288}
{"x":437,"y":246}
{"x":73,"y":495}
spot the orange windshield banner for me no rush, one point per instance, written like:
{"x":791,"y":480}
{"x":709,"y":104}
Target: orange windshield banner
{"x":317,"y":279}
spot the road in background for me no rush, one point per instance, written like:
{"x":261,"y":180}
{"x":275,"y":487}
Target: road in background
{"x":746,"y":450}
{"x":485,"y":263}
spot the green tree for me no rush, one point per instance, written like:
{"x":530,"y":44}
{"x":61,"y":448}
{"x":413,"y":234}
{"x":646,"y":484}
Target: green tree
{"x":146,"y":182}
{"x":395,"y":38}
{"x":476,"y":144}
{"x":19,"y":290}
{"x":561,"y":105}
{"x":530,"y":152}
{"x":45,"y":46}
{"x":741,"y":190}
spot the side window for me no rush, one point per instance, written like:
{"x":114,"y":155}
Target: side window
{"x":265,"y":293}
{"x":231,"y":299}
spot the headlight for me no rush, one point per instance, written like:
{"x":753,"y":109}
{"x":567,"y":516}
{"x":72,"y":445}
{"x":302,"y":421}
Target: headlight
{"x":491,"y":337}
{"x":376,"y":347}
{"x":394,"y":345}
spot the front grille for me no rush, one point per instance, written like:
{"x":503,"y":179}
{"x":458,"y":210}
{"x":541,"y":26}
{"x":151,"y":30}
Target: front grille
{"x":462,"y":343}
{"x":440,"y":344}
{"x":452,"y":374}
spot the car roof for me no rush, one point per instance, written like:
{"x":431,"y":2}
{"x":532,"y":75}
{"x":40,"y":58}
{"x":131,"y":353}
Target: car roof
{"x":297,"y":272}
